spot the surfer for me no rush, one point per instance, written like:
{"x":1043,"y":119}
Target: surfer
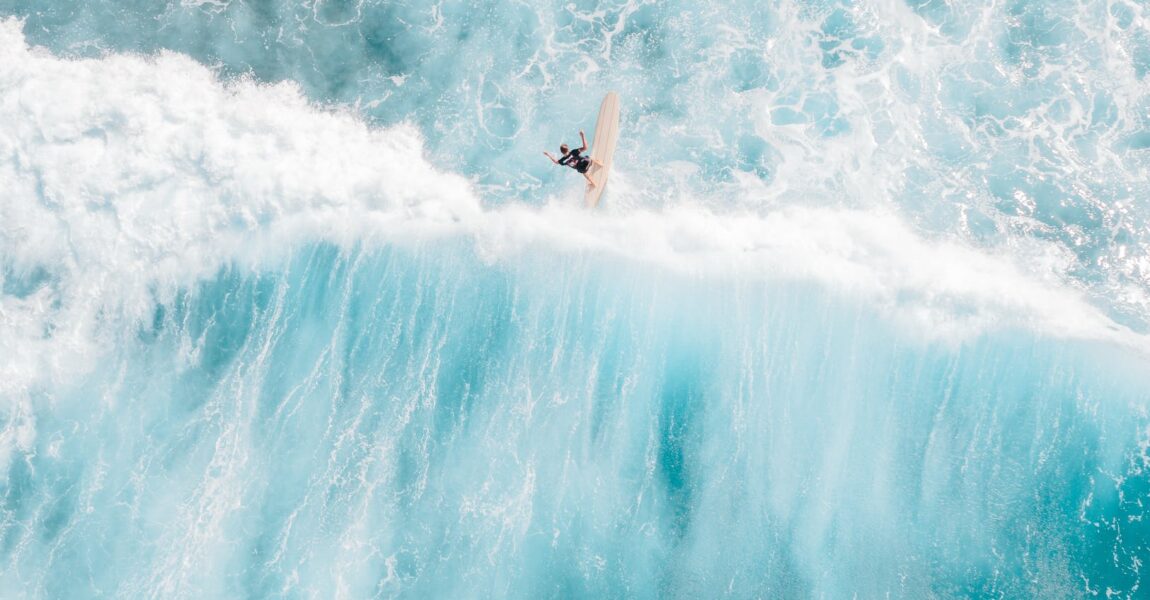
{"x":575,"y":159}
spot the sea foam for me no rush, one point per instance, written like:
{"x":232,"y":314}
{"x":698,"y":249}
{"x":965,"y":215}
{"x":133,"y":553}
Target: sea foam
{"x":132,"y":177}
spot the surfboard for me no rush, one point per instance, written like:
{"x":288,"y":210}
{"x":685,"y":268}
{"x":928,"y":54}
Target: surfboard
{"x":603,"y":148}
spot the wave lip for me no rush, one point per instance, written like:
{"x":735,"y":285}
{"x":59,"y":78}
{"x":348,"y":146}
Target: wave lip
{"x":942,"y":290}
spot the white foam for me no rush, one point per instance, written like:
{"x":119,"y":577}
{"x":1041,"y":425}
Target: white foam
{"x":128,"y":177}
{"x":940,"y":289}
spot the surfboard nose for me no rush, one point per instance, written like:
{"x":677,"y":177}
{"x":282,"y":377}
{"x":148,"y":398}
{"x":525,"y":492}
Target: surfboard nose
{"x":603,"y":148}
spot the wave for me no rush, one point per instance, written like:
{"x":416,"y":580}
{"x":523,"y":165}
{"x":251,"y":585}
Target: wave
{"x":133,"y":177}
{"x":255,"y":346}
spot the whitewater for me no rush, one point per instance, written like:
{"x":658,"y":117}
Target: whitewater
{"x":292,"y":305}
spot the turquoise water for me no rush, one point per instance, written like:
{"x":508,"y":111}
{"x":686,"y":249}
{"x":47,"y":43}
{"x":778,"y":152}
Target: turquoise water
{"x":293,"y":306}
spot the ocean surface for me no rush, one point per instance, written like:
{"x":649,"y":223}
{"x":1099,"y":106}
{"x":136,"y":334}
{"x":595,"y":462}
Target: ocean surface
{"x":293,"y":306}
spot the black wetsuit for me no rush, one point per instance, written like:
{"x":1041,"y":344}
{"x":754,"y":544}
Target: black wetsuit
{"x":575,"y":161}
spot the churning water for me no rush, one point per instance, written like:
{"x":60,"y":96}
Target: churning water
{"x":293,"y":306}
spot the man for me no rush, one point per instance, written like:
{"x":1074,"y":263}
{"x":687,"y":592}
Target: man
{"x":575,"y":159}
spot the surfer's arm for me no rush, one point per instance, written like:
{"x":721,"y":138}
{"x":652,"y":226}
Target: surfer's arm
{"x":584,"y":138}
{"x":548,"y":155}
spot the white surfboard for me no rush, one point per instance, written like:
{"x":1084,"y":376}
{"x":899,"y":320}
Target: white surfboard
{"x":603,"y":147}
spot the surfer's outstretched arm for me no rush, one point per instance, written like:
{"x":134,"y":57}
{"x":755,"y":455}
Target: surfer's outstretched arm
{"x":548,"y":155}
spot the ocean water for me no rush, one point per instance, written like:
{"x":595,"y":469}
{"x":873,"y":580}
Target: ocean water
{"x":292,"y":306}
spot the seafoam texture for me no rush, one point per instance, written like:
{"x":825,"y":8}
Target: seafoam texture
{"x":291,"y":304}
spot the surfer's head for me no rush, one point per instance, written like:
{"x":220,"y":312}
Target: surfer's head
{"x":563,"y":148}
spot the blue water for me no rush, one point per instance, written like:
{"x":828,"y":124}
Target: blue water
{"x":291,"y":304}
